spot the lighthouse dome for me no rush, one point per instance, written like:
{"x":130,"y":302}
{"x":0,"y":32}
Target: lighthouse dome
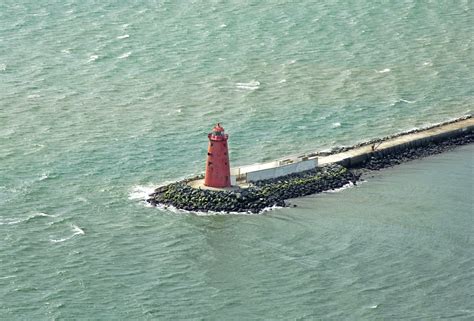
{"x":218,"y":128}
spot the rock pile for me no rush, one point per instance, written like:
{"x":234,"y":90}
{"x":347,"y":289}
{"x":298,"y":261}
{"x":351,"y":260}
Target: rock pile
{"x":261,"y":195}
{"x":380,"y":160}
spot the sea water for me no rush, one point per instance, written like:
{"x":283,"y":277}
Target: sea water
{"x":101,"y":102}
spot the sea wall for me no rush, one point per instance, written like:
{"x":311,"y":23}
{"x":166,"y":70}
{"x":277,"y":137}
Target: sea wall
{"x":261,"y":171}
{"x":279,"y":171}
{"x":388,"y":158}
{"x":353,"y":157}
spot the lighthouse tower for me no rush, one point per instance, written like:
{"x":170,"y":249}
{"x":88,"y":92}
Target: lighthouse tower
{"x":217,"y":165}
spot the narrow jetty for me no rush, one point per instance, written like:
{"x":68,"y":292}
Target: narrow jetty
{"x":257,"y":187}
{"x":358,"y":155}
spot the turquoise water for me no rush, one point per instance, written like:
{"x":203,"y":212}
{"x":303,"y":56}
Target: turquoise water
{"x":101,"y":102}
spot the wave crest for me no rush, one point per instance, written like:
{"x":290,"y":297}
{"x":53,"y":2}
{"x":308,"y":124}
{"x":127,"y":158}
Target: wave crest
{"x":76,"y":231}
{"x":252,"y":85}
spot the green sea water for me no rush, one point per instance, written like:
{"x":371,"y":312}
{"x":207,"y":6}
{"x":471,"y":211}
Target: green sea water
{"x":102,"y":101}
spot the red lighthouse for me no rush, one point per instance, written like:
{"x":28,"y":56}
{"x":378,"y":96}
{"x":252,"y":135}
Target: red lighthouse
{"x":217,"y":165}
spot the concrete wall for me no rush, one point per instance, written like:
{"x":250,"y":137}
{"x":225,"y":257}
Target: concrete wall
{"x":278,"y":171}
{"x":254,"y":167}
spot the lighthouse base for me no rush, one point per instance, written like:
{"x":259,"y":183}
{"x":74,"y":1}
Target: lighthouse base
{"x":199,"y":184}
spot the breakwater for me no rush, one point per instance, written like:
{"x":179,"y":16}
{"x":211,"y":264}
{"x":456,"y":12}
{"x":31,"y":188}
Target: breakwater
{"x":387,"y":158}
{"x":389,"y":147}
{"x":336,"y":170}
{"x":263,"y":194}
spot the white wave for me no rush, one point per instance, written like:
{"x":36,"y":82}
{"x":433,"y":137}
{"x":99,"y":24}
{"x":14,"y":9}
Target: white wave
{"x":428,"y":63}
{"x":43,"y":177}
{"x":82,"y":199}
{"x":335,"y":125}
{"x":93,"y":58}
{"x":336,"y":190}
{"x":34,"y":150}
{"x":125,"y":26}
{"x":125,"y":55}
{"x":41,"y":214}
{"x":77,"y":231}
{"x":173,"y":209}
{"x":37,"y":215}
{"x":383,"y":71}
{"x":21,"y":220}
{"x":141,"y":192}
{"x":33,"y":96}
{"x":11,"y":221}
{"x":282,"y":81}
{"x":374,"y":306}
{"x":61,"y":240}
{"x":223,"y":25}
{"x":402,"y":101}
{"x":252,"y":85}
{"x":123,"y":37}
{"x":66,"y":51}
{"x":3,"y":67}
{"x":268,"y":209}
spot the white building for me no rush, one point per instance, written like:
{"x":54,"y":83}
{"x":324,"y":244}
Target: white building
{"x":273,"y":169}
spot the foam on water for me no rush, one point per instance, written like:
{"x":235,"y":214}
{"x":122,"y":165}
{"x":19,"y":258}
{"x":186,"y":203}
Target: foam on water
{"x":123,"y":37}
{"x":142,"y":192}
{"x":172,"y":209}
{"x":14,"y":221}
{"x":11,"y":221}
{"x":401,"y":102}
{"x":252,"y":85}
{"x":346,"y":186}
{"x":93,"y":58}
{"x":76,"y":231}
{"x":125,"y":55}
{"x":44,"y":176}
